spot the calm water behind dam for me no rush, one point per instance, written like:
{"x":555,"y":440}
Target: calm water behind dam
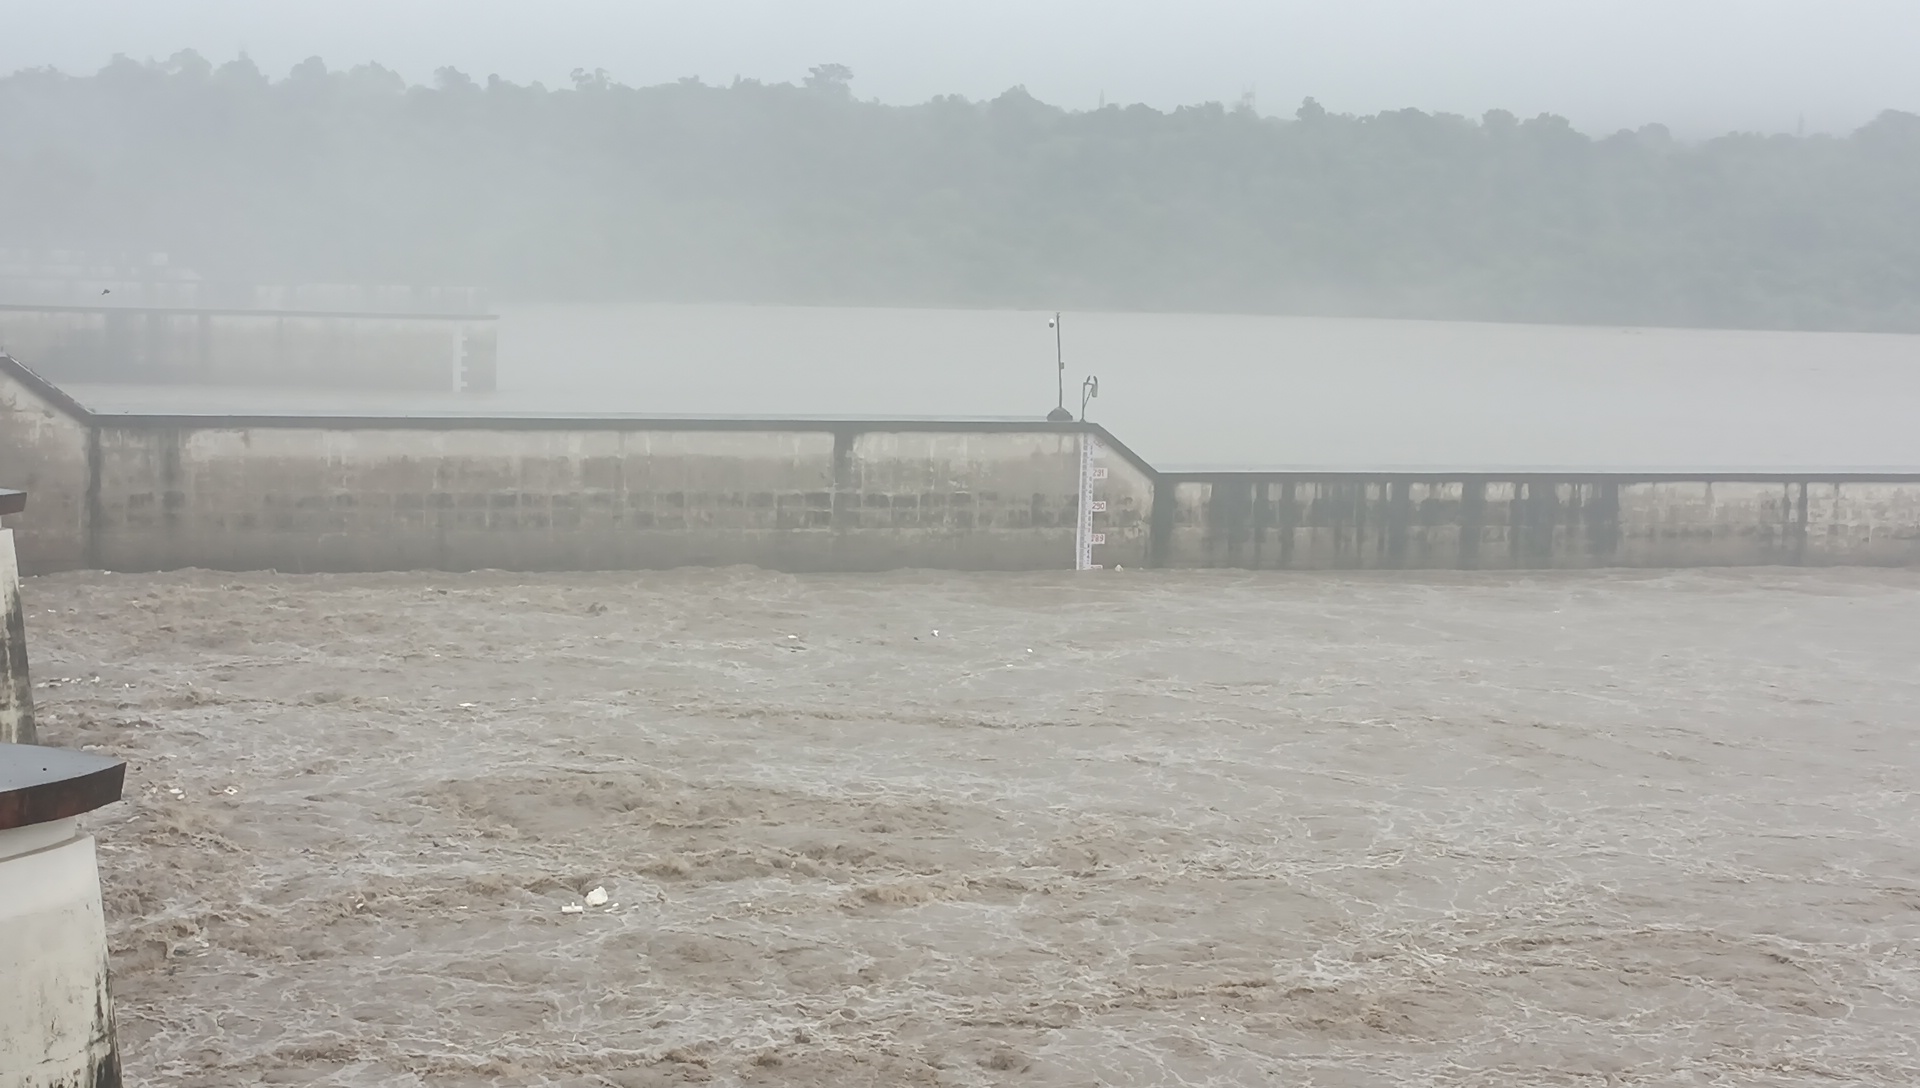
{"x":1201,"y":390}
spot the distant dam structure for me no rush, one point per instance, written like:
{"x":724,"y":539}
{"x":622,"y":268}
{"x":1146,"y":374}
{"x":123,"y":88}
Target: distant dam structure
{"x":122,"y":491}
{"x":117,"y":319}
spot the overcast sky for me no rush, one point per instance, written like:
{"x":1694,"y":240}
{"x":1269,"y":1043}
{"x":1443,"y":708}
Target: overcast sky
{"x":1701,"y":66}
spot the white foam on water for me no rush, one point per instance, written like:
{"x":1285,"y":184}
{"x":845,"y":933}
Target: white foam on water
{"x":1226,"y":828}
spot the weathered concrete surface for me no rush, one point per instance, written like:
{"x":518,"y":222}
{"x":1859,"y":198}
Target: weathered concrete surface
{"x":56,"y":1007}
{"x":44,"y":442}
{"x":237,"y":347}
{"x":1123,"y":510}
{"x":593,"y":495}
{"x":339,"y":494}
{"x":1416,"y":520}
{"x":16,"y":682}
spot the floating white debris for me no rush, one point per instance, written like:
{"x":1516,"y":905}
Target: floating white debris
{"x":793,"y":636}
{"x":230,"y":791}
{"x":936,"y":632}
{"x":597,"y":897}
{"x":468,"y":706}
{"x":573,"y":908}
{"x":176,"y":791}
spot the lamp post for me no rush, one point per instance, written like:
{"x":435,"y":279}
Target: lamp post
{"x":1060,"y":413}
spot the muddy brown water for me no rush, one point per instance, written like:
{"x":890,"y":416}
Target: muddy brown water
{"x":1121,"y":829}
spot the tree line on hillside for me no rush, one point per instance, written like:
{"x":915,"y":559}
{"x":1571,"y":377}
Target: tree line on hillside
{"x":807,"y":194}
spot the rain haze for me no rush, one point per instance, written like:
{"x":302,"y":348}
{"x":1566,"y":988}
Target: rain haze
{"x":1703,"y":67}
{"x":870,"y":544}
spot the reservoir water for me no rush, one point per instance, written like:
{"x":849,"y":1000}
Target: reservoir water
{"x":1211,"y":390}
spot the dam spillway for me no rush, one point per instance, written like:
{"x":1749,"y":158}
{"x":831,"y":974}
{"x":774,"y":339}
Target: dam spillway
{"x":124,"y":491}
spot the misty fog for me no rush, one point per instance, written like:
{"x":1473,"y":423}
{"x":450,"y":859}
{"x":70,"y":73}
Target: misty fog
{"x":803,"y":193}
{"x":578,"y":524}
{"x":1703,"y":68}
{"x":840,"y":243}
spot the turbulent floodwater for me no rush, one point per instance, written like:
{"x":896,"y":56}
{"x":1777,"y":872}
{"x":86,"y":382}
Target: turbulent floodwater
{"x":1121,"y":829}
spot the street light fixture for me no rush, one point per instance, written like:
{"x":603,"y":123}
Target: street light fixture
{"x":1060,"y":414}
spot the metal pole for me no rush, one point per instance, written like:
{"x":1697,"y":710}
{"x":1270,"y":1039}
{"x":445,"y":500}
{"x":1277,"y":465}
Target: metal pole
{"x":1059,"y":413}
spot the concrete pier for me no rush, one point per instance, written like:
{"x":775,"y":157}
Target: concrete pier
{"x":16,"y":685}
{"x":56,"y":1004}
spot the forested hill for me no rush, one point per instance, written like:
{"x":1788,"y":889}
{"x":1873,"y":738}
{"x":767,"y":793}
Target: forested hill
{"x":784,"y":193}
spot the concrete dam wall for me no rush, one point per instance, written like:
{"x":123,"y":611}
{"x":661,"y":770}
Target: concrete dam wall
{"x":1465,"y":521}
{"x":129,"y":492}
{"x":594,"y":495}
{"x":177,"y":346}
{"x":141,"y":319}
{"x":334,"y":494}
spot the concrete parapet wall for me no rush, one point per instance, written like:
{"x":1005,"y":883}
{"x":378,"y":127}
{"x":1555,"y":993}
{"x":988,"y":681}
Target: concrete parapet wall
{"x":1422,"y":520}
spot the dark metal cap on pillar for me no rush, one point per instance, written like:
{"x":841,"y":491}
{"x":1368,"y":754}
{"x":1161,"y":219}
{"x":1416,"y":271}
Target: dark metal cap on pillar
{"x":40,"y":784}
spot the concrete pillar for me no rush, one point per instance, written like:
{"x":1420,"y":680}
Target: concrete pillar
{"x":16,"y":688}
{"x":56,"y":1006}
